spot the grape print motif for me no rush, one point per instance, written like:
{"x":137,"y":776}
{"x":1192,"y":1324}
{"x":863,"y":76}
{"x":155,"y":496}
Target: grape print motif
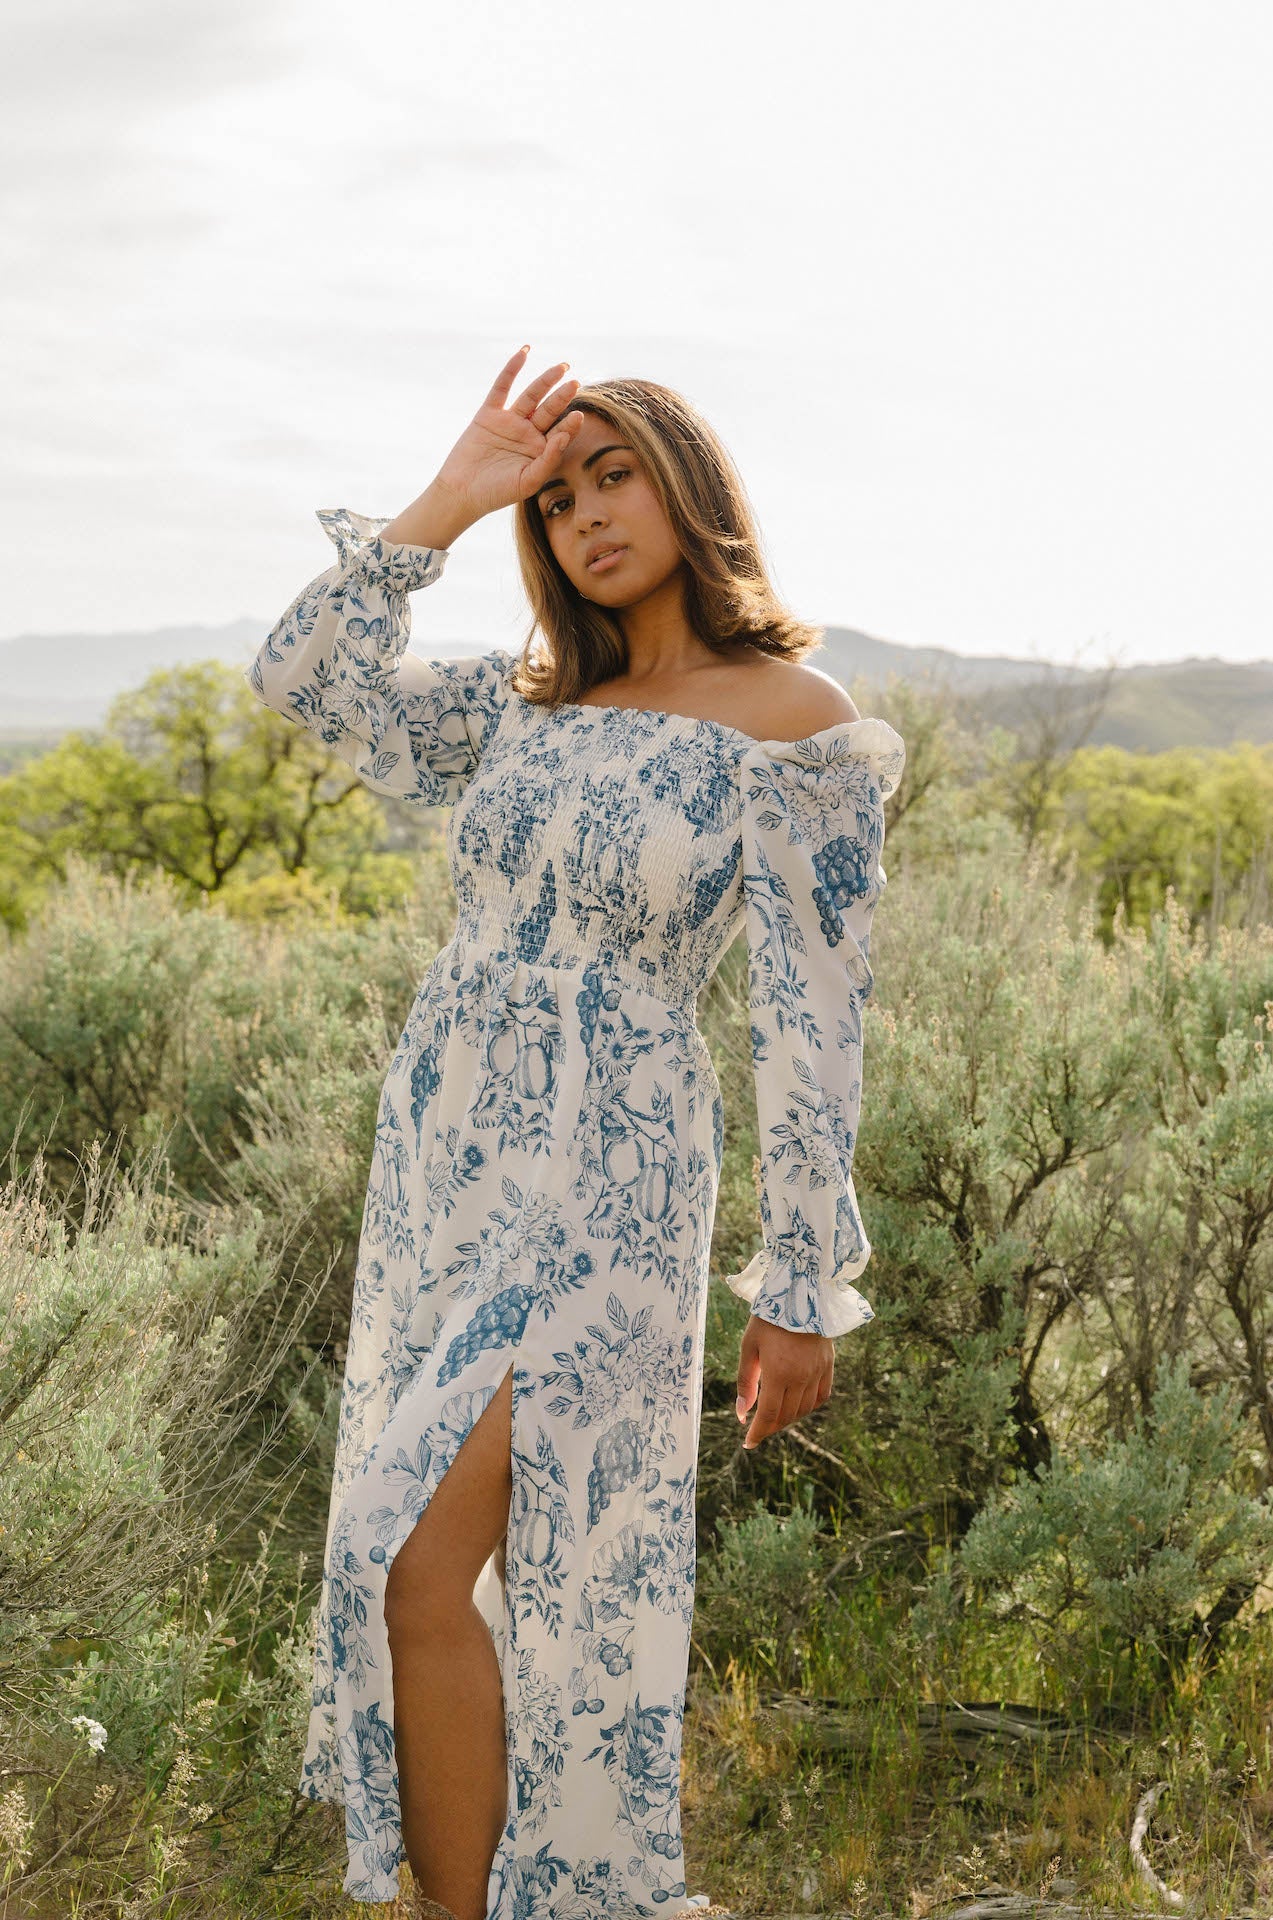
{"x":541,"y":1191}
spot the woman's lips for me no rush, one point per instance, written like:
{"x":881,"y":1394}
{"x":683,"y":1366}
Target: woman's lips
{"x":607,"y":560}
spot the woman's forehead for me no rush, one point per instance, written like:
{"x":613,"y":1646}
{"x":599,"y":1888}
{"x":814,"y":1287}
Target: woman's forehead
{"x":595,"y":432}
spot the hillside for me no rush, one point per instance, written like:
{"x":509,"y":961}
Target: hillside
{"x":52,"y":682}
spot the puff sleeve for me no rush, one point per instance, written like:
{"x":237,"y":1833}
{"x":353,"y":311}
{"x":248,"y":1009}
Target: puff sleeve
{"x":336,"y":663}
{"x":812,"y":834}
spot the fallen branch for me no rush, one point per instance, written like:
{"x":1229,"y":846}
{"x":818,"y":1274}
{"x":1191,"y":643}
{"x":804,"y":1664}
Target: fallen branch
{"x":1136,"y":1844}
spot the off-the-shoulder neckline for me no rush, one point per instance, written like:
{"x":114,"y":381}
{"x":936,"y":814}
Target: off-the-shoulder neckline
{"x":823,"y":734}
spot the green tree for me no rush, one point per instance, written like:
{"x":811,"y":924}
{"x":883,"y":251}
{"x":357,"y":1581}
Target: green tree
{"x":1196,"y":820}
{"x":191,"y":774}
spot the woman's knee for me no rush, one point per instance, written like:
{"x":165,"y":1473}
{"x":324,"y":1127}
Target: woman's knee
{"x":423,"y":1606}
{"x":437,"y":1566}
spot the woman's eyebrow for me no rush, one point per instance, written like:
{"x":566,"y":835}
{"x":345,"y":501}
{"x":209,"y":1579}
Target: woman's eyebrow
{"x":617,"y":447}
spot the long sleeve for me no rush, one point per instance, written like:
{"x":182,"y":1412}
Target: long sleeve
{"x":812,"y":832}
{"x":336,"y":663}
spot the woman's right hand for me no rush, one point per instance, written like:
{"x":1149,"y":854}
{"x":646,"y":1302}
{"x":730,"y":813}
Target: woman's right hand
{"x":507,"y":452}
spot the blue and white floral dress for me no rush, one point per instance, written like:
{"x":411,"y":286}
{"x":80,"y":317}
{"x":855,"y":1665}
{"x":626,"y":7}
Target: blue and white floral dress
{"x":542,"y":1194}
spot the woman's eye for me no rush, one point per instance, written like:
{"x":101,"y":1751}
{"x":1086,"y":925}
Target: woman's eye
{"x":563,"y":499}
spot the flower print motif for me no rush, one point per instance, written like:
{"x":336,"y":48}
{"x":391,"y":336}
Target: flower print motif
{"x":459,"y":1170}
{"x":417,"y":1473}
{"x":618,"y":1575}
{"x":369,"y":1281}
{"x":591,"y":1891}
{"x":634,"y":1751}
{"x":633,"y":1369}
{"x":622,"y":1044}
{"x":367,"y":1747}
{"x":347,"y":1605}
{"x":534,"y":1226}
{"x":815,"y":1138}
{"x":533,"y":1882}
{"x":671,"y":1548}
{"x":542,"y":1744}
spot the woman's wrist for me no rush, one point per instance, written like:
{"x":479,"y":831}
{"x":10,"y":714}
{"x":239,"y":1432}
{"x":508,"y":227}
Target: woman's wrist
{"x":436,"y":519}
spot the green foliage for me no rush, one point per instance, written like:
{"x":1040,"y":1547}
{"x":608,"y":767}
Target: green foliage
{"x":127,"y":1018}
{"x":1194,"y":822}
{"x":761,"y":1593}
{"x":1061,"y":1171}
{"x":193,"y":775}
{"x":127,"y":1345}
{"x":138,"y":1344}
{"x":1131,"y":1545}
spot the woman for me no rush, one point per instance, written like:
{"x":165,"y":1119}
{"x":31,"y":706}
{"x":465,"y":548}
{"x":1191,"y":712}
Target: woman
{"x":504,"y":1624}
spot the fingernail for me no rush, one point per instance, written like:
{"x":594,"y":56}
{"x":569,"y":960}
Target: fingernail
{"x":741,"y":1405}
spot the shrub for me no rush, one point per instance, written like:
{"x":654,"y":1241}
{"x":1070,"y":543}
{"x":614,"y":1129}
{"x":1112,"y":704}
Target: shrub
{"x":1131,"y":1552}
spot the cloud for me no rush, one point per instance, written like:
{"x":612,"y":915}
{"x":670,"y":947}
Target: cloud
{"x":88,"y":69}
{"x":461,"y":156}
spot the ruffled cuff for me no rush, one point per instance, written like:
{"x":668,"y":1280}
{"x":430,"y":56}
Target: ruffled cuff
{"x":396,"y":566}
{"x":776,"y":1292}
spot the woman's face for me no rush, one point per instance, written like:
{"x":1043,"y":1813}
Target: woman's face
{"x":600,"y":498}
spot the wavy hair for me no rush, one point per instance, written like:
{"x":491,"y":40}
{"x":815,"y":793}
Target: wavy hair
{"x":729,"y":597}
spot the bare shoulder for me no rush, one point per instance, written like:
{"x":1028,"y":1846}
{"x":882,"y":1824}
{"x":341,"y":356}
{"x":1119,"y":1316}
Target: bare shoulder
{"x":797,"y":700}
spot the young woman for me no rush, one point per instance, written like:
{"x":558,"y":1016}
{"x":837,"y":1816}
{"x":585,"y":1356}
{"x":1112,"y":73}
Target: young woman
{"x":508,"y":1586}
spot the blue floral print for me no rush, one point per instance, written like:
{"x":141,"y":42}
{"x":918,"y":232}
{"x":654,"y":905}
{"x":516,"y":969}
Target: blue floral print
{"x":542,"y":1192}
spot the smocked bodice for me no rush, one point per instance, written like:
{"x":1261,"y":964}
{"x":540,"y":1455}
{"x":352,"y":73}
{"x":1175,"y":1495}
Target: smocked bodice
{"x":604,"y":834}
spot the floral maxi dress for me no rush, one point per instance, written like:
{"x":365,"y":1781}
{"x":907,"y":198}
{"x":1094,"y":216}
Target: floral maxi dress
{"x":542,"y":1193}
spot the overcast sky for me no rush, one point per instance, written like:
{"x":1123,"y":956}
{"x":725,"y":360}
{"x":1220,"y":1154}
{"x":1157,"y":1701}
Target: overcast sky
{"x":980,"y":297}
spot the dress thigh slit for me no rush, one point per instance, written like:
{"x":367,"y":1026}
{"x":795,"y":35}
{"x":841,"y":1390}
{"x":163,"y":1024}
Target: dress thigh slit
{"x":387,"y":1500}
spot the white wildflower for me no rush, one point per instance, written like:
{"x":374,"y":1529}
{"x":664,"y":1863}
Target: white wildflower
{"x":93,"y":1730}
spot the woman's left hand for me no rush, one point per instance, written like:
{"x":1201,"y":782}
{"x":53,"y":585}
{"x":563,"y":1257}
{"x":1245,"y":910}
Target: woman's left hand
{"x":794,"y":1372}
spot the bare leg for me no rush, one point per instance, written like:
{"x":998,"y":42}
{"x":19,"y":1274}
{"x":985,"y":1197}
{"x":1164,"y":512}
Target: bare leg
{"x":448,"y":1701}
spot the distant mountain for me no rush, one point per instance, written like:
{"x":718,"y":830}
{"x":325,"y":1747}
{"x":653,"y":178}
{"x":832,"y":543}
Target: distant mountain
{"x":1195,"y":702}
{"x":63,"y":680}
{"x":52,"y":682}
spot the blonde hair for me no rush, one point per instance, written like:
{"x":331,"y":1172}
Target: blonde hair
{"x":728,"y":594}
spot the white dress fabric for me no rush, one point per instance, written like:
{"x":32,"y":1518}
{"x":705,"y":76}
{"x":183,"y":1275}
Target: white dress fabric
{"x":542,"y":1194}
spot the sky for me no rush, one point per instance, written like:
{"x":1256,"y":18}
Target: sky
{"x":979,"y":297}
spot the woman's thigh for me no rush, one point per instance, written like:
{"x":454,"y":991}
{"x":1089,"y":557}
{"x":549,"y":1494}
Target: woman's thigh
{"x":463,"y":1525}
